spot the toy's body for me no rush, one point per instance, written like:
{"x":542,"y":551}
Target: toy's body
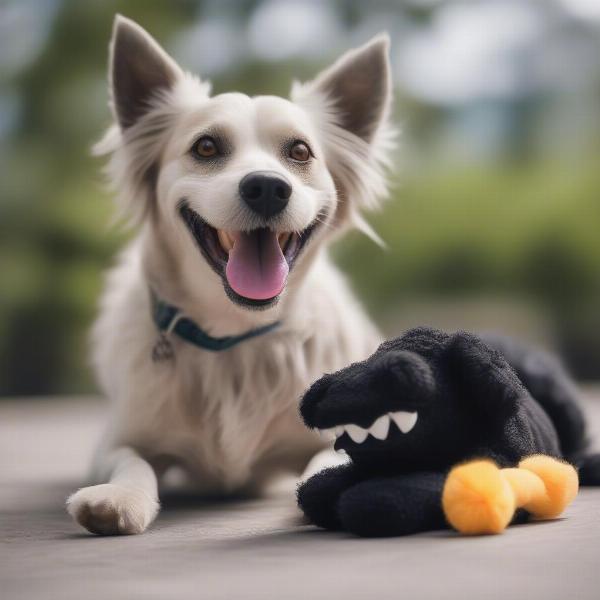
{"x":424,"y":403}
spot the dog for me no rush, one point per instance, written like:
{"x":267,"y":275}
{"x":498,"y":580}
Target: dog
{"x":225,"y":307}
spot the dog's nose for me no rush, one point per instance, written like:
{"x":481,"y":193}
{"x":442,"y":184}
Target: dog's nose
{"x":265,"y":192}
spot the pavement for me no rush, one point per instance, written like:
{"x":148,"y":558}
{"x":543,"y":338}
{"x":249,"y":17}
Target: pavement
{"x":253,"y":549}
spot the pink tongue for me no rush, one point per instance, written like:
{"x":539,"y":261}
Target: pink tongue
{"x":256,"y":268}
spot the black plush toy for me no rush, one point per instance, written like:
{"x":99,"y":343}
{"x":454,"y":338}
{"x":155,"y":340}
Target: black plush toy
{"x":428,"y":401}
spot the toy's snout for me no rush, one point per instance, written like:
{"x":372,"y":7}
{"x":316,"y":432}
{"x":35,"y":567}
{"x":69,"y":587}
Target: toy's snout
{"x":370,"y":399}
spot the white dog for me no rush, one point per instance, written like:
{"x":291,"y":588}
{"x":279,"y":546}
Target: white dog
{"x":225,"y":306}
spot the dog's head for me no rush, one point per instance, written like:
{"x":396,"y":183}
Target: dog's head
{"x":242,"y":189}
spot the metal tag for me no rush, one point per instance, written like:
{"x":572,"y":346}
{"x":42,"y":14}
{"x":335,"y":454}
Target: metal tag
{"x":163,"y":349}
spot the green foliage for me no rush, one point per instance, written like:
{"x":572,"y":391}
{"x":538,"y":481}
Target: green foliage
{"x":523,"y":231}
{"x":528,"y":232}
{"x":55,"y":238}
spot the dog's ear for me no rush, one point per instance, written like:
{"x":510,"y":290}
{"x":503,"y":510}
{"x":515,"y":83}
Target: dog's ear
{"x":350,"y":102}
{"x":358,"y":87}
{"x":139,"y":70}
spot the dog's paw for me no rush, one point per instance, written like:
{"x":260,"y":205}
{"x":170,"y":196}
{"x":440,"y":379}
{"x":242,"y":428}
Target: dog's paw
{"x":111,"y":509}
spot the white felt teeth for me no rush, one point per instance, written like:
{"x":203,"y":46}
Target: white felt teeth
{"x":358,"y":434}
{"x":404,"y":420}
{"x":379,"y":429}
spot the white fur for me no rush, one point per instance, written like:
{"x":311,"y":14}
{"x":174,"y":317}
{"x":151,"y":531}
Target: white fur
{"x":230,"y":419}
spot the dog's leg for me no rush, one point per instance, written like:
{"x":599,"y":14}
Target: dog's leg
{"x":127,"y":504}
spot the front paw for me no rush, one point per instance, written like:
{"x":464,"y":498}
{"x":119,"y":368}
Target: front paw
{"x":111,"y":509}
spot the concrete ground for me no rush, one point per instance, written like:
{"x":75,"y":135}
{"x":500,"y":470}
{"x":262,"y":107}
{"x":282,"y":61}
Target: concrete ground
{"x":252,"y":549}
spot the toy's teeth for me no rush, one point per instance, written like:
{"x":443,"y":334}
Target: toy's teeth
{"x":379,"y":429}
{"x":358,"y":434}
{"x":404,"y":420}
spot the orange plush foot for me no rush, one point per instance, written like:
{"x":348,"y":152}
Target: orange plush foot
{"x":478,"y":499}
{"x":561,"y":485}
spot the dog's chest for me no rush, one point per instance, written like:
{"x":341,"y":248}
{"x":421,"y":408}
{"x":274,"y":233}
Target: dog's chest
{"x":226,"y":411}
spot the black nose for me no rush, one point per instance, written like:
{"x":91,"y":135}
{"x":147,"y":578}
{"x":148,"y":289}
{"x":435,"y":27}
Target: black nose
{"x":266,"y":193}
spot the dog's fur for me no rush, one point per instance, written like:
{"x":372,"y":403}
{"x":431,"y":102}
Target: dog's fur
{"x":230,"y":419}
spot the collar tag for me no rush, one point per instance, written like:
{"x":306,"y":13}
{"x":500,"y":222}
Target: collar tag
{"x":163,"y":349}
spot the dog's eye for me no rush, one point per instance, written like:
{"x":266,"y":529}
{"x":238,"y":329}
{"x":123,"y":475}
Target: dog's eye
{"x":205,"y":147}
{"x":300,"y":152}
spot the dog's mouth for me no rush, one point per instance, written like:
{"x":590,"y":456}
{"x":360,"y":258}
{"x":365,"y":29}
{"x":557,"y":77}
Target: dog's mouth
{"x":254,"y":265}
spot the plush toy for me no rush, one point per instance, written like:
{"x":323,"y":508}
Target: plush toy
{"x":440,"y":430}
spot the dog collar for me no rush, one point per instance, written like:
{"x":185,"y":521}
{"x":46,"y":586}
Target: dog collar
{"x":169,"y":319}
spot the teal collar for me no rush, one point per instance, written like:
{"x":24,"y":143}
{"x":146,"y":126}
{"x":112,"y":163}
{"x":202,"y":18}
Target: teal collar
{"x":170,"y":319}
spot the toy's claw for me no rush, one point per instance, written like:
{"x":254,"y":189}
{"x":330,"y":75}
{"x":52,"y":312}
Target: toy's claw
{"x":477,"y":499}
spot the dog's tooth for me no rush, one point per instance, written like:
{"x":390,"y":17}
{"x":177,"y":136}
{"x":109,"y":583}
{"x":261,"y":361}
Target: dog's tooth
{"x":225,"y":240}
{"x":404,"y":420}
{"x":356,"y":433}
{"x":283,"y":238}
{"x":380,"y":428}
{"x":339,"y":430}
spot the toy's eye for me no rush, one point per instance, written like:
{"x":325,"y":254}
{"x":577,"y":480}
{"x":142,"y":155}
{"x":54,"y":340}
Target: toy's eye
{"x":299,"y":151}
{"x":205,"y":147}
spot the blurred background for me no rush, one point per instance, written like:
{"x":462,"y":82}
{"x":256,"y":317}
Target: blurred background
{"x":494,"y":219}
